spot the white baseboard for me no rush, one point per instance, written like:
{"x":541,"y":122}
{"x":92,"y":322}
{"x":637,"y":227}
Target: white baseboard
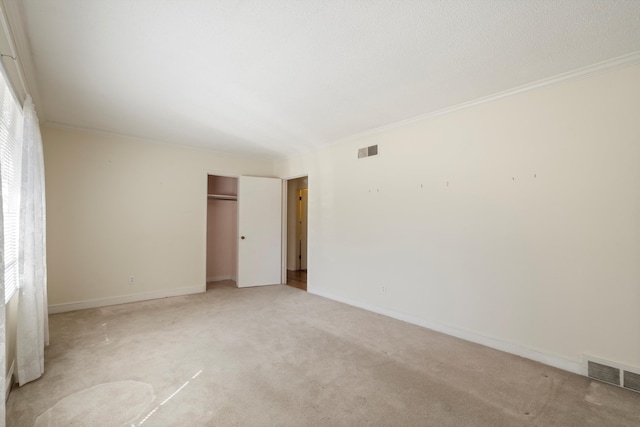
{"x":220,"y":278}
{"x":527,"y":353}
{"x":104,"y":302}
{"x":9,"y":381}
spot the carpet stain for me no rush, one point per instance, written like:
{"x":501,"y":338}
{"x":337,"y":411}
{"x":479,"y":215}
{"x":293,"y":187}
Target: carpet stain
{"x":110,"y":404}
{"x":593,"y":395}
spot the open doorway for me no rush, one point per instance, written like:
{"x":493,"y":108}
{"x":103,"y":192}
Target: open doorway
{"x":297,"y":204}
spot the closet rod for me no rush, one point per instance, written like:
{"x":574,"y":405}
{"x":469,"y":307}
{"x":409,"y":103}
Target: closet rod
{"x":221,"y":197}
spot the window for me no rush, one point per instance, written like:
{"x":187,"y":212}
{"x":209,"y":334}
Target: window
{"x":11,"y":123}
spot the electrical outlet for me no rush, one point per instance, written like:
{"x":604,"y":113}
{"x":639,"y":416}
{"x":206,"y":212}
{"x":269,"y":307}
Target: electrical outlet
{"x":132,"y":280}
{"x":383,"y":289}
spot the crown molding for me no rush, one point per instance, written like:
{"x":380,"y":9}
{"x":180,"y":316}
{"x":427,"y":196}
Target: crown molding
{"x":578,"y":74}
{"x":163,"y":143}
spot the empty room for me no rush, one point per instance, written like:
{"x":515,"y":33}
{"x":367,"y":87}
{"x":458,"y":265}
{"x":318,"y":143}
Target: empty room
{"x":320,"y":212}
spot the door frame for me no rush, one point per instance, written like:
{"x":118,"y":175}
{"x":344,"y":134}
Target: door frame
{"x":285,"y":228}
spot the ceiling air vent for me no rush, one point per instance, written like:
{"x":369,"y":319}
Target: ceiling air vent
{"x":368,"y":151}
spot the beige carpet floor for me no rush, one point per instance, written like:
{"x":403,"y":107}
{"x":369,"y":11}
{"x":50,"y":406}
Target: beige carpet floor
{"x":278,"y":356}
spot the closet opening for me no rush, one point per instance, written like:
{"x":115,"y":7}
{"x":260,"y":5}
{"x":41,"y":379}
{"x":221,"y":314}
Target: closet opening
{"x":222,"y":231}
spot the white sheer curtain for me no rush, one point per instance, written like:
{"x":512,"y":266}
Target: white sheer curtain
{"x":10,"y":133}
{"x":3,"y":335}
{"x":33,"y":325}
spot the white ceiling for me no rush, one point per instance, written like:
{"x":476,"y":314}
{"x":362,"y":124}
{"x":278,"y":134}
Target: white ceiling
{"x":275,"y":77}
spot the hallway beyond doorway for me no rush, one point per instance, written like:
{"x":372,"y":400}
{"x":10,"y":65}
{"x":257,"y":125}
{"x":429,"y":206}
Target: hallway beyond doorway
{"x":297,"y":279}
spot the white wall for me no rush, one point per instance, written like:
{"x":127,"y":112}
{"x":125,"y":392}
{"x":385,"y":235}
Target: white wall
{"x":119,"y":206}
{"x":534,"y":244}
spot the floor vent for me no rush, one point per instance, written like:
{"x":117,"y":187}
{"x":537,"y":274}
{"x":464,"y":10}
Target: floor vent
{"x":631,"y":381}
{"x":368,"y":151}
{"x":613,"y":373}
{"x":605,"y":373}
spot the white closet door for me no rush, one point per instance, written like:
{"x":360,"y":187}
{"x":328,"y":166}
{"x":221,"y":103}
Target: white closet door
{"x":259,"y":231}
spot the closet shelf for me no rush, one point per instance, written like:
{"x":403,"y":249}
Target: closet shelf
{"x":221,"y":197}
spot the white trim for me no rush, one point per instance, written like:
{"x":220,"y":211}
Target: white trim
{"x":284,"y":230}
{"x":219,"y":278}
{"x":164,"y":143}
{"x":581,"y":73}
{"x":9,"y":380}
{"x":538,"y":356}
{"x":103,"y":302}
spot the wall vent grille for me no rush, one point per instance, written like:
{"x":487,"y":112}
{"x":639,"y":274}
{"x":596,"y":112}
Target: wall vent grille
{"x":605,"y":373}
{"x":612,"y":373}
{"x":368,"y":151}
{"x":631,"y":381}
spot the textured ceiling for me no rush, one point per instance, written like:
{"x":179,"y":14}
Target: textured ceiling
{"x":275,"y":77}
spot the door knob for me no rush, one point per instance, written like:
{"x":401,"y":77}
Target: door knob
{"x":242,"y":237}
